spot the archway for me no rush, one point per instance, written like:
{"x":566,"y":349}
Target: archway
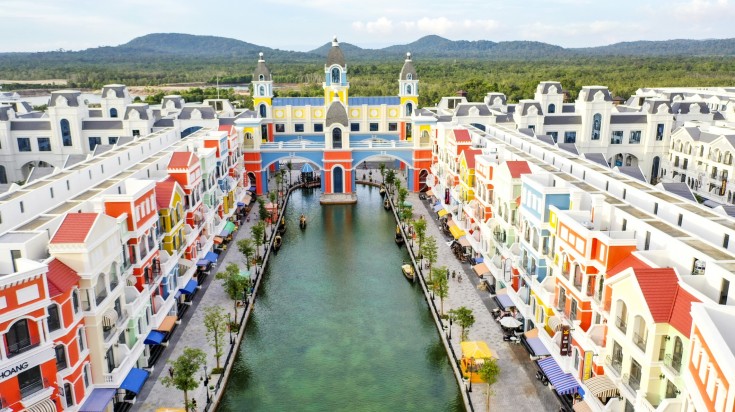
{"x":423,"y":174}
{"x":338,"y":180}
{"x":654,"y":169}
{"x":28,"y":167}
{"x":251,"y":181}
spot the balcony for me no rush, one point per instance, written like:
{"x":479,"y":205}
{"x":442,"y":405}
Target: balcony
{"x":128,"y":360}
{"x":620,"y":323}
{"x":135,"y":302}
{"x":633,"y":383}
{"x":673,"y":363}
{"x":596,"y":334}
{"x":639,"y":341}
{"x":21,"y":346}
{"x":615,"y":365}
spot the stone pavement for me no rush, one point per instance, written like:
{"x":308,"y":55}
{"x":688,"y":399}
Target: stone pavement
{"x":517,"y":388}
{"x":192,"y":333}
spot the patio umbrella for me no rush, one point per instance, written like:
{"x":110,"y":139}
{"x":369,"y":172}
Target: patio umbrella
{"x":510,"y":322}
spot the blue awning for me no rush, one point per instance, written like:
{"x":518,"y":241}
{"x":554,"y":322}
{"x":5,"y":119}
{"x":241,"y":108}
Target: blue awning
{"x":135,"y":380}
{"x":224,"y":233}
{"x":536,"y":347}
{"x":177,"y":295}
{"x":564,"y":383}
{"x":437,"y":208}
{"x":479,"y":259}
{"x":211,"y":256}
{"x":154,"y":338}
{"x":189,"y":288}
{"x":503,"y":300}
{"x":98,"y":400}
{"x":203,"y":262}
{"x":240,"y":204}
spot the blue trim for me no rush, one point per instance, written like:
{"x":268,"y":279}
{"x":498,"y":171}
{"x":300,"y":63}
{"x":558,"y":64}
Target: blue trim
{"x":224,"y":233}
{"x":564,"y":383}
{"x":154,"y":338}
{"x":98,"y":400}
{"x":537,"y":347}
{"x":504,"y":301}
{"x":189,"y":288}
{"x":203,"y":262}
{"x":374,"y":100}
{"x":211,"y":256}
{"x":135,"y":380}
{"x":298,"y":101}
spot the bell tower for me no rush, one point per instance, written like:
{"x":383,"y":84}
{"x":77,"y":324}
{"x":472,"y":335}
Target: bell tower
{"x":408,"y":87}
{"x":336,"y":86}
{"x":262,"y":89}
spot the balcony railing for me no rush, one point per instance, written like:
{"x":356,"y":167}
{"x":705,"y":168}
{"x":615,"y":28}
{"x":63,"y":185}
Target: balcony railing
{"x":639,"y":341}
{"x":620,"y":323}
{"x":674,"y":363}
{"x":632,"y":381}
{"x":615,"y":363}
{"x":30,"y":388}
{"x":21,"y":346}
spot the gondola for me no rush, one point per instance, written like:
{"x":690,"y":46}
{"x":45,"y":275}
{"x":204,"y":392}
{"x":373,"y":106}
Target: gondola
{"x":382,"y":190}
{"x":399,"y":236}
{"x":282,"y":225}
{"x":386,"y":204}
{"x":302,"y":222}
{"x":277,"y":243}
{"x":407,"y":271}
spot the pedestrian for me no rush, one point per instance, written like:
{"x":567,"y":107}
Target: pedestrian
{"x":171,"y":372}
{"x":459,"y":279}
{"x":454,"y":275}
{"x":194,"y":405}
{"x":448,"y":274}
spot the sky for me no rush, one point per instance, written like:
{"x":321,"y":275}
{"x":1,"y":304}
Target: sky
{"x":41,"y":25}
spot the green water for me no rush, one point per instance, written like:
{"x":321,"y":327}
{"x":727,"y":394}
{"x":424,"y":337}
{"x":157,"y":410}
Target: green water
{"x":336,"y":327}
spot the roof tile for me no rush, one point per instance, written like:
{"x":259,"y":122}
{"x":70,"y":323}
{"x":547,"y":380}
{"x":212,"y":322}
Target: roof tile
{"x":61,"y":278}
{"x":75,"y":228}
{"x":517,"y":168}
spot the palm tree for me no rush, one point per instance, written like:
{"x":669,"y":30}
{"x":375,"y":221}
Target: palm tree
{"x":439,"y":285}
{"x":430,"y":252}
{"x":489,"y":372}
{"x":289,"y":166}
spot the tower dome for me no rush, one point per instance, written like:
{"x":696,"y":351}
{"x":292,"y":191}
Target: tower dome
{"x":261,"y":69}
{"x":408,"y":72}
{"x":335,"y":55}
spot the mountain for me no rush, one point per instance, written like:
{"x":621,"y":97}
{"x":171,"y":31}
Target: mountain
{"x":192,"y":45}
{"x":676,"y":47}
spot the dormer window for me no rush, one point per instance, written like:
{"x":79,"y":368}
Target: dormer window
{"x":409,"y":76}
{"x":335,"y":75}
{"x":261,"y":77}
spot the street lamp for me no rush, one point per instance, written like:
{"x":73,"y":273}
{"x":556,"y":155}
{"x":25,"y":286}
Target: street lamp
{"x":205,"y":380}
{"x":229,"y":318}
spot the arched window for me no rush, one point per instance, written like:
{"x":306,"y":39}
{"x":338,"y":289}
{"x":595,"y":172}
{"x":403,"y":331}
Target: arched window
{"x":262,"y":110}
{"x":53,"y":321}
{"x":100,"y":289}
{"x":551,"y":108}
{"x":65,"y":132}
{"x":18,"y":338}
{"x":622,"y":319}
{"x":261,"y":77}
{"x":261,"y":91}
{"x":3,"y":175}
{"x":596,"y":124}
{"x":640,"y":334}
{"x":678,"y":354}
{"x":408,"y":89}
{"x":409,"y":109}
{"x":68,"y":394}
{"x":75,"y":300}
{"x":80,"y":339}
{"x":336,"y":76}
{"x":113,"y":112}
{"x":337,"y":138}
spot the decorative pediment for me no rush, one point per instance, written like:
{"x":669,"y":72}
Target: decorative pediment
{"x":663,"y":109}
{"x":553,"y":90}
{"x":474,"y":111}
{"x":133,"y":115}
{"x":196,"y":114}
{"x":111,"y":94}
{"x":61,"y":101}
{"x":497,"y":101}
{"x":695,"y":109}
{"x":532,"y":111}
{"x":599,"y":96}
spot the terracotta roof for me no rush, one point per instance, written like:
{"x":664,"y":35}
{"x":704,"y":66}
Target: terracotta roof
{"x":226,"y":128}
{"x":75,"y":228}
{"x":61,"y":278}
{"x":517,"y":168}
{"x":629,"y":262}
{"x":681,"y":314}
{"x":182,"y":160}
{"x":164,"y":192}
{"x":462,"y":135}
{"x":659,"y":287}
{"x":469,"y":156}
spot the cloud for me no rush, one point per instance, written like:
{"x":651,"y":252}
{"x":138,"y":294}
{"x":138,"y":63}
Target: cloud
{"x":699,"y":10}
{"x":427,"y":25}
{"x":380,"y":26}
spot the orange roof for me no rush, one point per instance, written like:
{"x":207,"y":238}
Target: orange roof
{"x":681,"y":316}
{"x":629,"y":262}
{"x":659,"y":287}
{"x":462,"y":135}
{"x":469,"y":156}
{"x":517,"y":168}
{"x":164,"y":192}
{"x":61,"y":278}
{"x":182,"y":160}
{"x":75,"y":228}
{"x":226,"y":128}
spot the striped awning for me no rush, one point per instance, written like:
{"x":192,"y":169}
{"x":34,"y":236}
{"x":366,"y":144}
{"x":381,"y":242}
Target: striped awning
{"x":582,"y":406}
{"x":555,"y":323}
{"x":602,"y":387}
{"x":46,"y":405}
{"x":109,"y":319}
{"x":564,"y":383}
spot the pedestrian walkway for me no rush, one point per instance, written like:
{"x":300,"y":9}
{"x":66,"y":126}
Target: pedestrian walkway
{"x":192,"y":332}
{"x":517,"y":388}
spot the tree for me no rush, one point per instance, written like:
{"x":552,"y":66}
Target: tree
{"x":289,"y":166}
{"x":419,"y":227}
{"x":233,"y":283}
{"x":430,"y":252}
{"x":396,"y":185}
{"x":279,"y":180}
{"x":245,"y":246}
{"x":406,"y":215}
{"x":382,"y":172}
{"x":390,"y":178}
{"x":185,"y":369}
{"x":439,"y":284}
{"x":258,"y":232}
{"x":464,"y":317}
{"x":402,"y":195}
{"x":215,"y":322}
{"x":262,"y":211}
{"x":489,"y":372}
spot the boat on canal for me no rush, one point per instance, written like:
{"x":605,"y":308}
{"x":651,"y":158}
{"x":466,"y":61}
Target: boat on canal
{"x":282,"y":225}
{"x":399,"y":236}
{"x":382,"y":190}
{"x":277,"y":243}
{"x":386,"y":204}
{"x":302,"y":222}
{"x":408,"y":272}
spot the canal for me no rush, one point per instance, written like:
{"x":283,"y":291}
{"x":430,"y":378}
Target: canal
{"x":336,"y":326}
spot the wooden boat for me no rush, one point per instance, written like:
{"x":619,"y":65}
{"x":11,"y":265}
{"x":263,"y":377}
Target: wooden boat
{"x":277,"y":243}
{"x":382,"y":190}
{"x":386,"y":204}
{"x":399,"y":236}
{"x":407,"y":271}
{"x":302,"y":222}
{"x":282,"y":225}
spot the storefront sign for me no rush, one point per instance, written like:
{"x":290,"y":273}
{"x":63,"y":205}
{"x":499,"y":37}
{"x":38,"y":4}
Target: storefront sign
{"x":566,"y":340}
{"x":13,"y":370}
{"x":587,"y":371}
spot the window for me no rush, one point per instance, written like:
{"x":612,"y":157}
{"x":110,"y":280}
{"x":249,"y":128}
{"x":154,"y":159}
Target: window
{"x":337,"y":138}
{"x":60,"y":357}
{"x":54,"y":322}
{"x":354,"y":127}
{"x":335,"y":75}
{"x":299,"y":127}
{"x":18,"y":338}
{"x":136,"y":133}
{"x":261,"y":91}
{"x":373,"y":127}
{"x":262,"y":110}
{"x":68,"y":394}
{"x":596,"y":124}
{"x":30,"y":381}
{"x":80,"y":339}
{"x":635,"y":137}
{"x":617,"y":137}
{"x":660,"y":132}
{"x":724,"y":291}
{"x":75,"y":301}
{"x":44,"y":144}
{"x":392,"y":127}
{"x":554,"y":136}
{"x":65,"y":132}
{"x":94,"y":141}
{"x":113,"y":112}
{"x":3,"y":175}
{"x":409,"y":109}
{"x":24,"y":144}
{"x":570,"y":137}
{"x":562,"y":300}
{"x":280,"y":127}
{"x":112,"y":140}
{"x":318,"y":127}
{"x":551,"y":108}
